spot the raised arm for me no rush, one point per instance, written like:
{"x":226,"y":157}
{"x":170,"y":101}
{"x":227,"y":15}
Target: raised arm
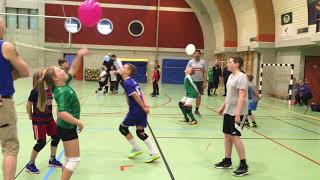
{"x":75,"y":66}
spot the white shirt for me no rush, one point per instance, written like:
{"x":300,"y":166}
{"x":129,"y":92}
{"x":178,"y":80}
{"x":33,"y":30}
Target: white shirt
{"x":113,"y":75}
{"x":103,"y":76}
{"x":118,"y":64}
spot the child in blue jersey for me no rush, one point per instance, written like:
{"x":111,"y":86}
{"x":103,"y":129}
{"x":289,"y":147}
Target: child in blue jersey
{"x":137,"y":115}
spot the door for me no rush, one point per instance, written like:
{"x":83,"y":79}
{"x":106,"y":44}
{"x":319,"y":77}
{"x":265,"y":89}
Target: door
{"x":312,"y":75}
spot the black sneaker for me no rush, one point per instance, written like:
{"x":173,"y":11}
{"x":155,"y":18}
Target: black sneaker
{"x":254,"y":124}
{"x":246,"y":123}
{"x":185,"y":120}
{"x":197,"y":113}
{"x":224,"y":164}
{"x":241,"y":171}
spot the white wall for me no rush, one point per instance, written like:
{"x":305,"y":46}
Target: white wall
{"x":246,"y":21}
{"x":299,"y":11}
{"x":216,"y":23}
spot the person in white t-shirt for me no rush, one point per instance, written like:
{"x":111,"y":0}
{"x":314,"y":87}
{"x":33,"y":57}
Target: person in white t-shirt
{"x":117,"y":63}
{"x":103,"y":80}
{"x":113,"y":80}
{"x":234,"y":108}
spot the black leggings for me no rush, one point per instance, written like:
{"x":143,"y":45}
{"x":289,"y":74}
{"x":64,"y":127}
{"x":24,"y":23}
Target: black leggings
{"x":305,"y":98}
{"x":155,"y":86}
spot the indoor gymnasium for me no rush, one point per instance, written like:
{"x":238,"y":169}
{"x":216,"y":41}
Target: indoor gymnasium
{"x":159,"y":89}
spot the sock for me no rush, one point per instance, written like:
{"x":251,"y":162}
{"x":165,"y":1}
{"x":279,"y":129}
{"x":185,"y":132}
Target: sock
{"x":228,"y":159}
{"x":243,"y":161}
{"x":197,"y":109}
{"x":191,"y":115}
{"x":150,"y":146}
{"x":52,"y":158}
{"x":134,"y":144}
{"x":31,"y":162}
{"x":184,"y":112}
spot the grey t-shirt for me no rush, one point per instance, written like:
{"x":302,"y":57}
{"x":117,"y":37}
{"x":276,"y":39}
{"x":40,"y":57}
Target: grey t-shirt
{"x":234,"y":84}
{"x":199,"y":68}
{"x":252,"y":92}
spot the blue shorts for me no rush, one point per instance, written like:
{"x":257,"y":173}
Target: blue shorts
{"x":136,"y":119}
{"x":253,"y":105}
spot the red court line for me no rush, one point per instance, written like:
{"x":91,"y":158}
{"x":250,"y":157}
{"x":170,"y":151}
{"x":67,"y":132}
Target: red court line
{"x":292,"y":150}
{"x":272,"y":140}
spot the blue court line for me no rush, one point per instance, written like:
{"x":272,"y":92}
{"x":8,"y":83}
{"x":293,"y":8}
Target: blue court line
{"x":51,"y":169}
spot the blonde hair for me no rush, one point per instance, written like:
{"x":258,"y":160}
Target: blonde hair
{"x":46,"y":79}
{"x":39,"y":84}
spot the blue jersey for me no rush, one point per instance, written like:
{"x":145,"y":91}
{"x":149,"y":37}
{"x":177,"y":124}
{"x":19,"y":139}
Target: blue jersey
{"x":130,"y":86}
{"x":6,"y":80}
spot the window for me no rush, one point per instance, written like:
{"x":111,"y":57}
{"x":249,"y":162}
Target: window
{"x":72,"y":25}
{"x":136,"y":28}
{"x":22,"y":22}
{"x":104,"y":26}
{"x":10,"y":19}
{"x":33,"y":20}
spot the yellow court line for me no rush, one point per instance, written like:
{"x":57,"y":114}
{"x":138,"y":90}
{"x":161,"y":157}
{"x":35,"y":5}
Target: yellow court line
{"x":312,"y":117}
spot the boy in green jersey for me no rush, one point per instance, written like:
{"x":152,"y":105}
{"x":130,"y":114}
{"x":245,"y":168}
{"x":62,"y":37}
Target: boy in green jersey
{"x":192,"y":93}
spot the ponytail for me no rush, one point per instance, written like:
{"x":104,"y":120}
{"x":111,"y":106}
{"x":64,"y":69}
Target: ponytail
{"x":42,"y":96}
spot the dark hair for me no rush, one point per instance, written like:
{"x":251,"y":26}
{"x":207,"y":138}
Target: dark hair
{"x":237,"y":60}
{"x":61,"y":61}
{"x":197,"y":50}
{"x":250,"y":77}
{"x":113,"y":55}
{"x":132,"y":69}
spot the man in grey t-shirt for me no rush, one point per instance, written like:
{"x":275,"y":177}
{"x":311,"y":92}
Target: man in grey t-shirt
{"x":199,"y":77}
{"x":234,"y":108}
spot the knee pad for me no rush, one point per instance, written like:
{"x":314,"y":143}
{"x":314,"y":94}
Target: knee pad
{"x":72,"y":163}
{"x":141,"y":134}
{"x":66,"y":159}
{"x":188,"y":108}
{"x":124,"y":130}
{"x":40,"y":145}
{"x":181,"y":104}
{"x":55,"y":141}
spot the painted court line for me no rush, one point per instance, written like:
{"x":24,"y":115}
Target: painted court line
{"x":161,"y":153}
{"x":279,"y":108}
{"x":296,"y":126}
{"x":280,"y":144}
{"x":28,"y":162}
{"x":51,"y":169}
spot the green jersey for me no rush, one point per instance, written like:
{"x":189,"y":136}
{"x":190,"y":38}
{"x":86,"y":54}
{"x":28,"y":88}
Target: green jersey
{"x":67,"y":101}
{"x":190,"y":88}
{"x":210,"y":75}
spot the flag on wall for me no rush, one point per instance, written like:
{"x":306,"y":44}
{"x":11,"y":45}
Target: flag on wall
{"x":313,"y":11}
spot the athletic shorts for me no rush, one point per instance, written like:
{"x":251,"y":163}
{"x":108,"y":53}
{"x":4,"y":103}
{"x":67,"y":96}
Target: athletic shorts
{"x":67,"y":134}
{"x":187,"y":101}
{"x":8,"y":133}
{"x":136,"y":119}
{"x":199,"y":85}
{"x":41,"y":129}
{"x":229,"y":125}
